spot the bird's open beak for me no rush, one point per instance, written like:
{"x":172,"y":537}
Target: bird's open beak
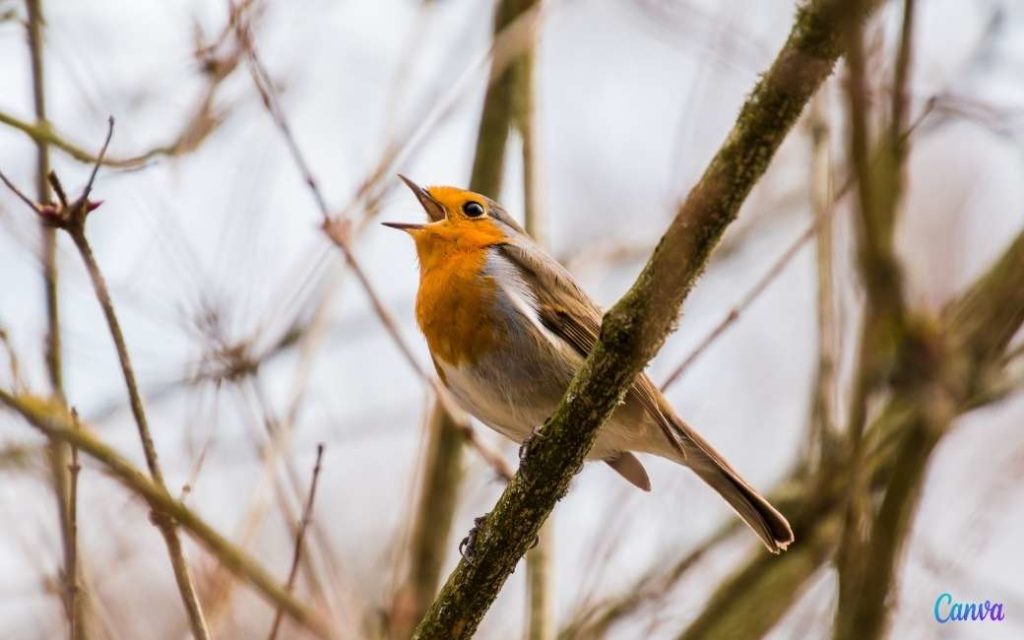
{"x":433,"y":208}
{"x":403,"y":226}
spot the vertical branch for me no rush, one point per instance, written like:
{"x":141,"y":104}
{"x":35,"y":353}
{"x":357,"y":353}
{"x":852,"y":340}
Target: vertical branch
{"x":64,"y":478}
{"x":540,"y":559}
{"x":894,"y":347}
{"x":53,"y":350}
{"x":525,"y":119}
{"x":540,"y":585}
{"x":300,"y":534}
{"x":823,"y":401}
{"x":934,"y":413}
{"x":496,"y":118}
{"x":900,"y":94}
{"x":876,"y":341}
{"x":435,"y":512}
{"x":443,"y":464}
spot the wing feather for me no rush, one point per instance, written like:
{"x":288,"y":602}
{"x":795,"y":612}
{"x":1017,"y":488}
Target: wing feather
{"x":571,"y":315}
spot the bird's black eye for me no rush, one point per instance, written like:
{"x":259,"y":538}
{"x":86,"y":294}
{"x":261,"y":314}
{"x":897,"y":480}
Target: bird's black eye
{"x":473,"y":209}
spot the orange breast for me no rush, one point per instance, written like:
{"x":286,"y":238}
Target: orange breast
{"x":455,"y":307}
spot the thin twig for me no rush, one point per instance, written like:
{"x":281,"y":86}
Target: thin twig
{"x":648,"y":590}
{"x":748,"y":298}
{"x":279,"y":434}
{"x":506,"y":46}
{"x":776,"y":267}
{"x":307,"y":516}
{"x":203,"y":120}
{"x":19,"y":193}
{"x":180,"y":565}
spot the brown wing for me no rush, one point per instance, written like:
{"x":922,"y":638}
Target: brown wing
{"x":570,"y":314}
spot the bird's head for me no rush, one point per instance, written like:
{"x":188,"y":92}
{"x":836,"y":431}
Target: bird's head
{"x":460,"y":221}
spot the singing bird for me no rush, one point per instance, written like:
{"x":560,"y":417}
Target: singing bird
{"x":508,"y":327}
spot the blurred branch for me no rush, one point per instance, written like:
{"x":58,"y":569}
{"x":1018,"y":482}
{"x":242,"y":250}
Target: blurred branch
{"x":279,"y":435}
{"x":748,"y":299}
{"x":218,"y":583}
{"x":202,"y":121}
{"x":506,"y":47}
{"x":646,"y":591}
{"x":307,"y":516}
{"x":435,"y":512}
{"x":822,"y":220}
{"x":634,"y":329}
{"x":977,"y":328}
{"x":70,"y":217}
{"x":752,"y":600}
{"x":54,"y":421}
{"x":13,"y":363}
{"x":887,"y":334}
{"x":540,"y":561}
{"x":63,"y":477}
{"x":824,"y":421}
{"x":500,"y":101}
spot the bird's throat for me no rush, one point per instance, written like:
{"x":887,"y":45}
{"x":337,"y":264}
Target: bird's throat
{"x":455,"y":306}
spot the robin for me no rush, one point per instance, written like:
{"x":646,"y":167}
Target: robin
{"x":508,"y":327}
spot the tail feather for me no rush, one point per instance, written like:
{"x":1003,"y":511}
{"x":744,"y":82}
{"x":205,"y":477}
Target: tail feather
{"x":769,"y":525}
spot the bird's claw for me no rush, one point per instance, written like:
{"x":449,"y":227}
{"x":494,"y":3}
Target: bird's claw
{"x":524,"y":448}
{"x":466,"y":547}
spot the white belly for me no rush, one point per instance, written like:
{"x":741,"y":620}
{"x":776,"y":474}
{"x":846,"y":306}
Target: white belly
{"x":491,"y":402}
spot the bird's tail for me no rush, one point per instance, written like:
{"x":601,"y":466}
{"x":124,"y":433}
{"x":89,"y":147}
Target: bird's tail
{"x":769,"y":525}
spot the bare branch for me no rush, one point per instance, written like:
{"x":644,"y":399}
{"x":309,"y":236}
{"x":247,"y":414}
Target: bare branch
{"x":307,"y":517}
{"x":71,"y":218}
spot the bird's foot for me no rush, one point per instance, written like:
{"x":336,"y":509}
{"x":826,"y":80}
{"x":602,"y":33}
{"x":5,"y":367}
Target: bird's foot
{"x":466,"y":547}
{"x":524,"y":448}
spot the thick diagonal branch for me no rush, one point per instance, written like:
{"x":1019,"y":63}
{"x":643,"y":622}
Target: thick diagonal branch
{"x":635,"y":328}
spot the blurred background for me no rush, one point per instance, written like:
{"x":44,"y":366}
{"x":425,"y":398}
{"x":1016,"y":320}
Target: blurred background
{"x":253,"y":341}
